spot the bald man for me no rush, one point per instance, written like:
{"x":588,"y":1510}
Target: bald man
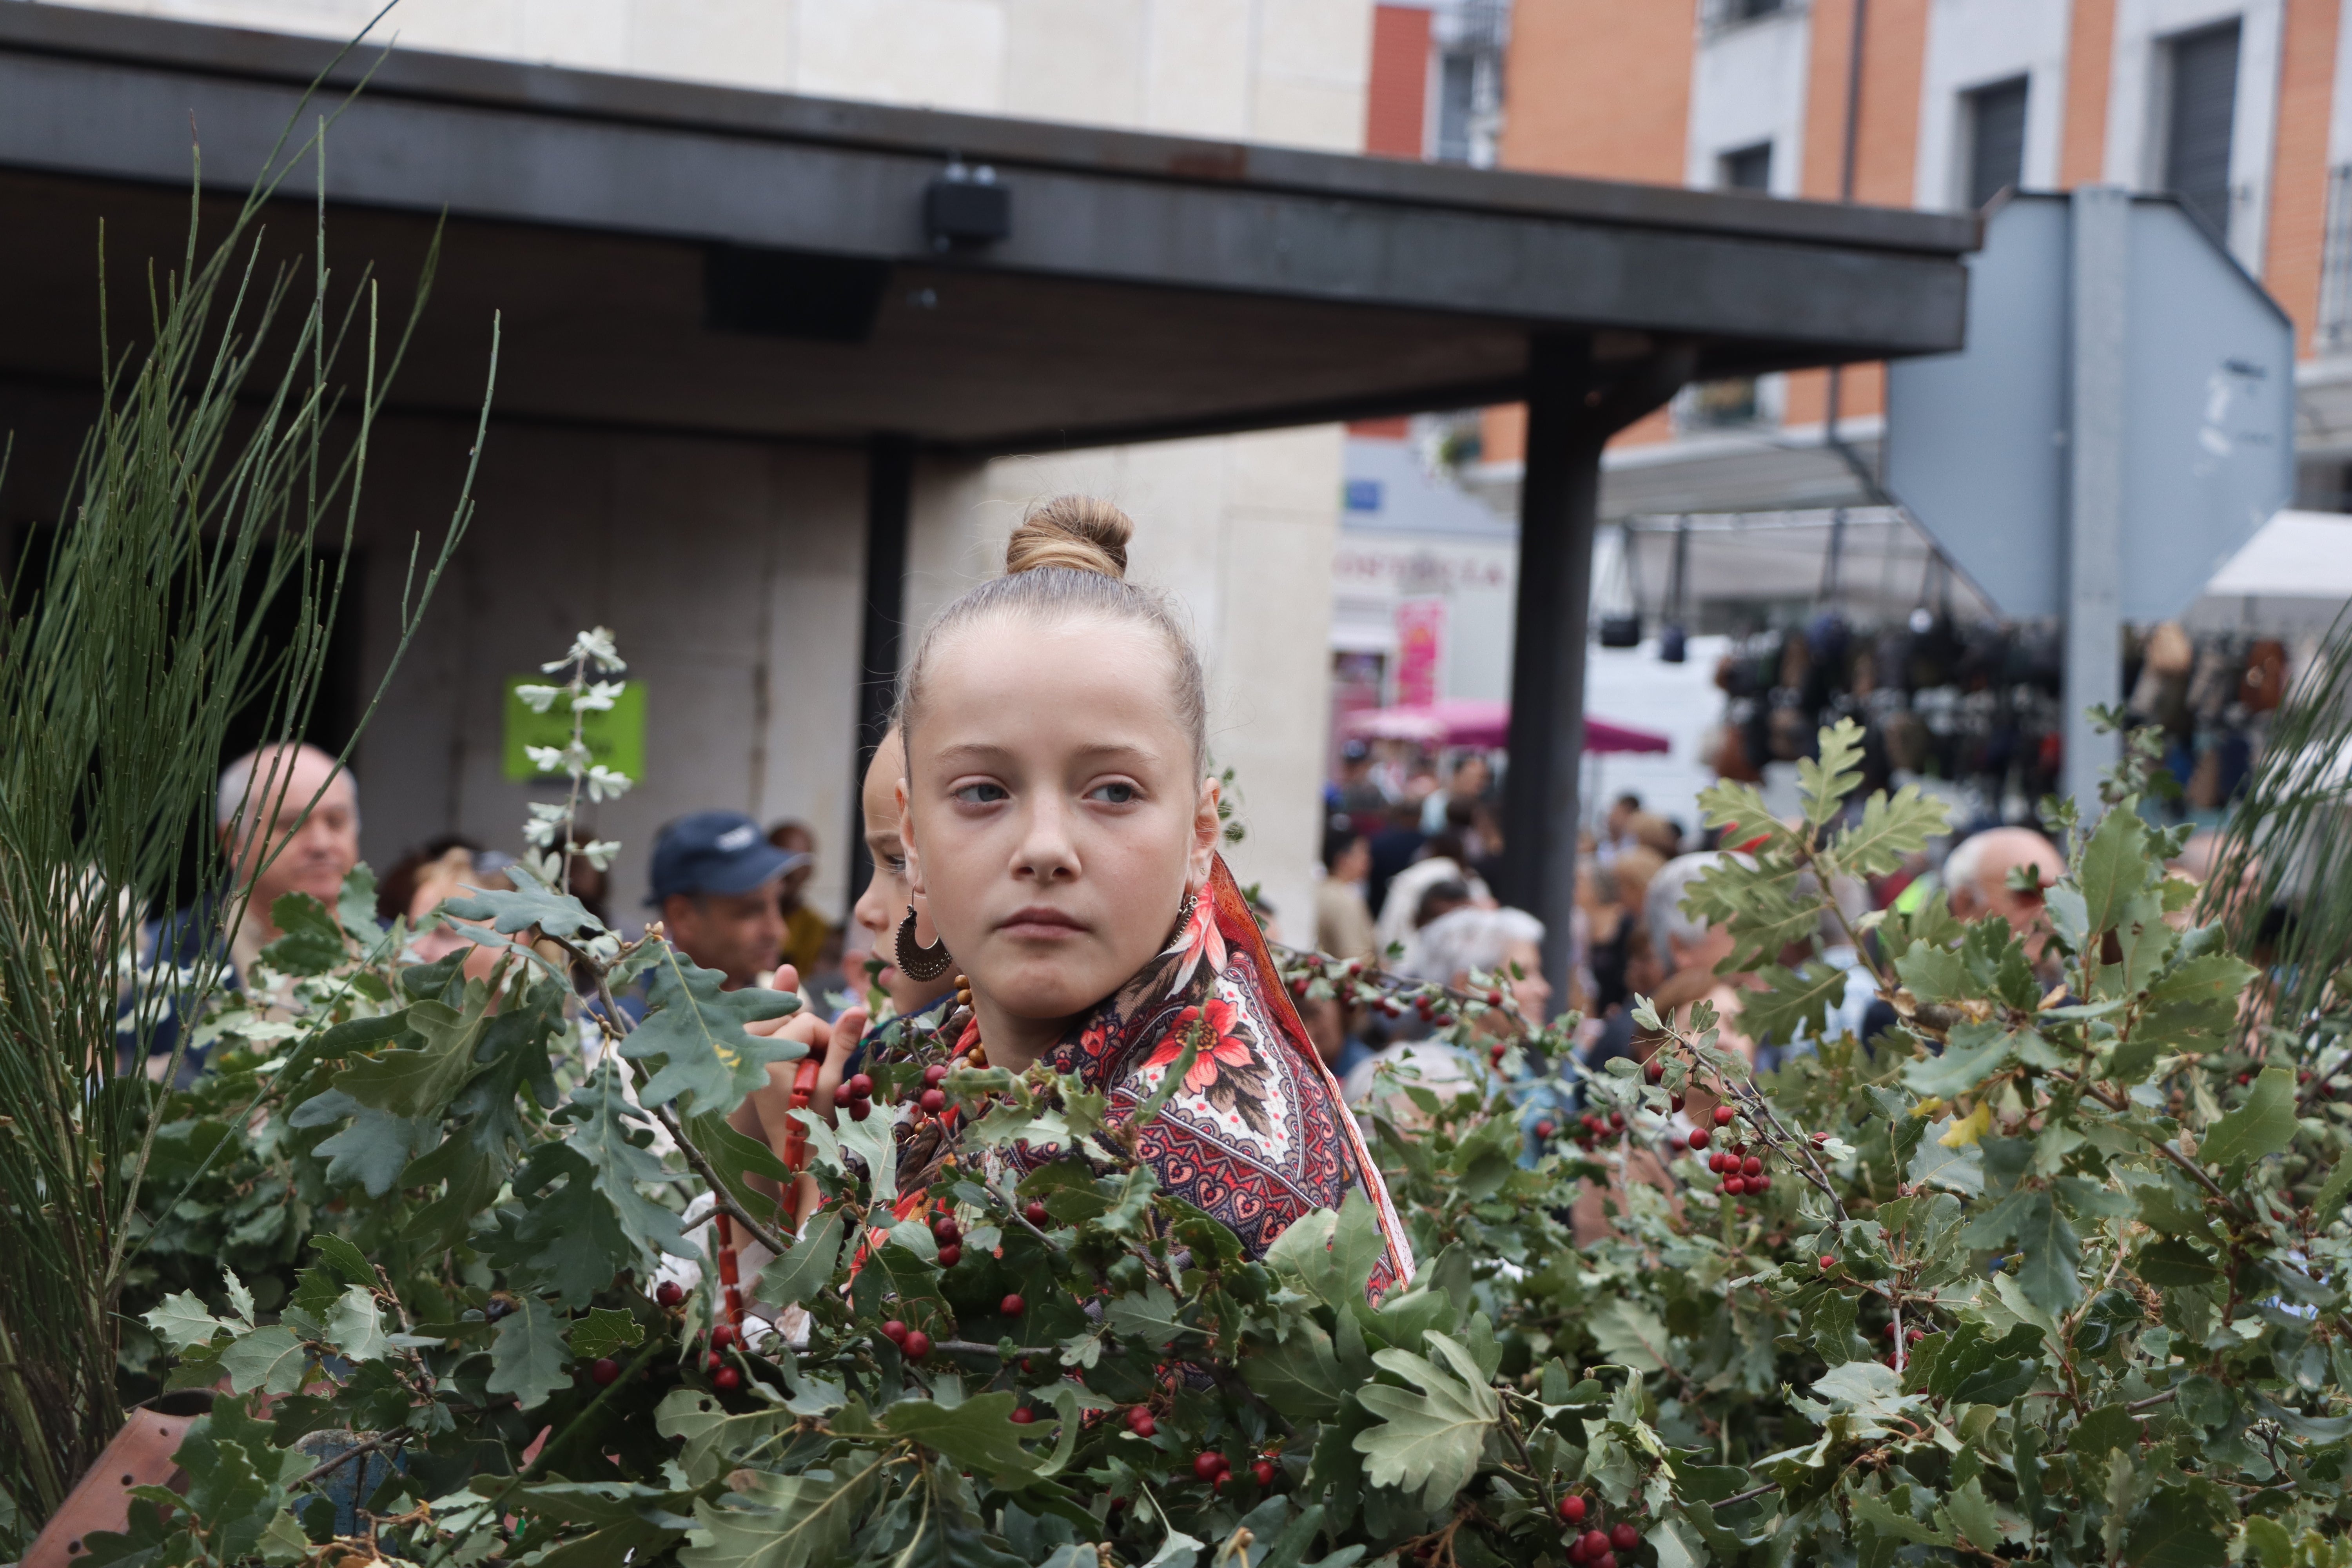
{"x":287,"y":820}
{"x":1977,"y":874}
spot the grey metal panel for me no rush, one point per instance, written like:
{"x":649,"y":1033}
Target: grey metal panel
{"x":1974,"y":441}
{"x":100,"y":38}
{"x":72,"y":115}
{"x":2209,"y":411}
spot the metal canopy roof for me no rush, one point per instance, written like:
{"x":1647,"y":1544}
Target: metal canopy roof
{"x":671,"y":255}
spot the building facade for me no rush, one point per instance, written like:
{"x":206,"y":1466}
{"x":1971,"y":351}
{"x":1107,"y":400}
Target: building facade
{"x":2240,"y":108}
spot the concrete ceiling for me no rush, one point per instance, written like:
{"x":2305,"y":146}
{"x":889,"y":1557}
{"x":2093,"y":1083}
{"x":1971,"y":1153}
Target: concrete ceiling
{"x":669,"y":256}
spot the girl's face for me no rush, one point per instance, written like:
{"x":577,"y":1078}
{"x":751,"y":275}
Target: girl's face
{"x":885,"y":902}
{"x":1055,"y":817}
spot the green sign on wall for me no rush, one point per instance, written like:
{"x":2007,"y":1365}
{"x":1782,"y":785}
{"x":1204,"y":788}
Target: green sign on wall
{"x":615,"y":737}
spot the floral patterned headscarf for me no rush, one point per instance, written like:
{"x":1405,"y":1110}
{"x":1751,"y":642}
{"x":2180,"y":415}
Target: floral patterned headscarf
{"x":1257,"y":1135}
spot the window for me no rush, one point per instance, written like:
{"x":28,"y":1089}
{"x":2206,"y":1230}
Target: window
{"x":1731,"y":13}
{"x":2334,"y":334}
{"x":2203,"y":102}
{"x":1996,"y":119}
{"x":1457,"y":80}
{"x":1749,"y":169}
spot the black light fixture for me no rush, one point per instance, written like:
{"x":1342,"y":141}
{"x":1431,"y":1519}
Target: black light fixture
{"x":965,"y":208}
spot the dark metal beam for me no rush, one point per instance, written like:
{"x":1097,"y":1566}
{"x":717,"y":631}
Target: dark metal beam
{"x":889,"y":515}
{"x":1573,"y":407}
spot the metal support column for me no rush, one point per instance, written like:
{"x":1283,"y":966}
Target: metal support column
{"x":889,"y":510}
{"x":1559,"y":496}
{"x":2094,"y":491}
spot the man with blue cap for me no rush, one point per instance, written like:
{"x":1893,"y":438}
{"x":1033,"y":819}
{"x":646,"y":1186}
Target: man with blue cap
{"x":715,"y":880}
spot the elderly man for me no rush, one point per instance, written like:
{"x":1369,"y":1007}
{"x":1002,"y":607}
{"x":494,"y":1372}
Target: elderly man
{"x":1978,"y":879}
{"x":288,"y":819}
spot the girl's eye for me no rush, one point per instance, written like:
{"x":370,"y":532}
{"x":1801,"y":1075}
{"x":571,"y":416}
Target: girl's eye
{"x":981,"y":794}
{"x":897,"y":864}
{"x":1113,"y":794}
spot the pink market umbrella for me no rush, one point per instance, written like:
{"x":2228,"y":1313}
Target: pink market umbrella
{"x":1468,"y":721}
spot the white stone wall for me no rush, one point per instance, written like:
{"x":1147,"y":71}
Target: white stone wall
{"x":1242,"y":529}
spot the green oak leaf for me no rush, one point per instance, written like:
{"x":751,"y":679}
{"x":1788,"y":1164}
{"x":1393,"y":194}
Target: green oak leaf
{"x":528,"y":1354}
{"x":2262,"y":1126}
{"x":980,"y":1433}
{"x":601,"y":1136}
{"x":345,"y":1259}
{"x":711,"y":1438}
{"x":312,"y":942}
{"x":1891,"y":830}
{"x":374,"y":1151}
{"x":605,"y":1330}
{"x":271,"y":1360}
{"x":183,"y":1322}
{"x":780,"y":1521}
{"x":2114,"y":868}
{"x":419,"y":1080}
{"x":355,"y":1327}
{"x":694,"y":1029}
{"x":477,"y":1157}
{"x":1973,"y":1053}
{"x":1299,"y":1375}
{"x":509,"y":911}
{"x":807,"y":1267}
{"x":1429,"y":1441}
{"x":1630,"y":1335}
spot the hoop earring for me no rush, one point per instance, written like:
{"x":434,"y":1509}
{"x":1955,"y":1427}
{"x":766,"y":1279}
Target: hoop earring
{"x":916,"y":962}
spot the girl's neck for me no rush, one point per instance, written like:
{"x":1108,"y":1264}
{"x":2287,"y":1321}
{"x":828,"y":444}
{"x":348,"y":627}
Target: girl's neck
{"x":1015,"y":1042}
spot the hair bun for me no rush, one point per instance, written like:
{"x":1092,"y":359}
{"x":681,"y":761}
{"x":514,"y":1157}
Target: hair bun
{"x":1076,"y":533}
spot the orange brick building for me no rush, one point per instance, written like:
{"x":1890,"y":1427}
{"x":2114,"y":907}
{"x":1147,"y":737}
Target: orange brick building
{"x":2243,"y":108}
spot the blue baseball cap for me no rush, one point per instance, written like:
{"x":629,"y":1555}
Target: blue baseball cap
{"x":715,"y":852}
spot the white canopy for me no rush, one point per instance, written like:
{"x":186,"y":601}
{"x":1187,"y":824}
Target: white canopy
{"x":2294,"y":575}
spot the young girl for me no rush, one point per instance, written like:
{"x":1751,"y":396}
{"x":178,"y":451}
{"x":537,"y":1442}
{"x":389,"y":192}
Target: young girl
{"x":1058,"y":818}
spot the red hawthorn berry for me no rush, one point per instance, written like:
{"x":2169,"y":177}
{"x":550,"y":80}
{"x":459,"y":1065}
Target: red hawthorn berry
{"x":1024,"y":1416}
{"x":1752,"y":1166}
{"x":1653,"y":1070}
{"x":916,"y":1344}
{"x":1219,"y":1484}
{"x":1606,"y":1560}
{"x":1616,"y":1122}
{"x":1821,"y":1138}
{"x":1143,"y":1425}
{"x":604,"y":1370}
{"x":2245,"y":1077}
{"x":1545,"y":1129}
{"x":1035,"y":1214}
{"x":1571,"y":1508}
{"x":934,"y":1100}
{"x":859,"y":1110}
{"x":946,"y":1228}
{"x":1828,"y":1263}
{"x":934,"y":1074}
{"x":858,"y":1086}
{"x":951,"y":1255}
{"x":727,"y":1379}
{"x":1012,"y":1306}
{"x":1494,"y":998}
{"x":1890,"y":1331}
{"x":722,"y":1336}
{"x":1595,"y":1544}
{"x":1208,"y":1465}
{"x":894,"y":1331}
{"x":1263,"y":1473}
{"x":1735,"y":1185}
{"x":1298,"y":986}
{"x":1698,"y":1138}
{"x":1674,"y":1101}
{"x":1624,"y":1536}
{"x":1916,"y":1335}
{"x":1760,"y":1184}
{"x":1723,"y":1116}
{"x":713,"y":1361}
{"x":669,"y":1292}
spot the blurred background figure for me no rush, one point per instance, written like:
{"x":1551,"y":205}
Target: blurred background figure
{"x":718,"y":885}
{"x":449,"y":876}
{"x":1356,"y":794}
{"x":276,"y":842}
{"x":1977,"y":878}
{"x":1441,"y":859}
{"x":806,"y":933}
{"x":1343,"y":924}
{"x":887,"y":897}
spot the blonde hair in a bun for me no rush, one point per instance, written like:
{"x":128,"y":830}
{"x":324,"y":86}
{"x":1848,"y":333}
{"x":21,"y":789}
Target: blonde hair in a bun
{"x":1079,"y":533}
{"x":1068,"y":561}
